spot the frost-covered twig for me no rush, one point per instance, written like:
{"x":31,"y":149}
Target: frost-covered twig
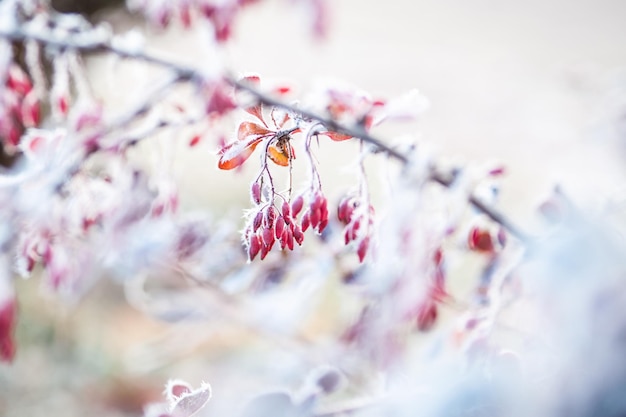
{"x":106,"y":44}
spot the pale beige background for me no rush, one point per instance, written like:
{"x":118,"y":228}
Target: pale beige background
{"x":538,"y":85}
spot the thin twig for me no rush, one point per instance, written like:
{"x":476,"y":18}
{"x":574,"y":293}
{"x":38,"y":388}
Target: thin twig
{"x":328,"y":123}
{"x":183,"y":73}
{"x":360,"y":133}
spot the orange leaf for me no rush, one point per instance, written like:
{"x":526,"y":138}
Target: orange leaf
{"x":281,"y":154}
{"x":248,"y":129}
{"x":235,"y":154}
{"x":257,"y":111}
{"x":337,"y":137}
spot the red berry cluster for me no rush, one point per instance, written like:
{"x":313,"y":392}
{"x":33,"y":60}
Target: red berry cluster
{"x":270,"y":224}
{"x":316,"y":216}
{"x":19,"y":106}
{"x":358,"y":223}
{"x":221,"y":14}
{"x":428,"y":311}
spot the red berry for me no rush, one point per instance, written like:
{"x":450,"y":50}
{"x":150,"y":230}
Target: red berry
{"x":194,"y":141}
{"x":270,"y":216}
{"x":280,"y":227}
{"x":268,"y":235}
{"x":258,"y":220}
{"x":63,"y":105}
{"x":289,"y":239}
{"x":363,"y":247}
{"x":255,"y":193}
{"x":296,"y":206}
{"x":426,"y":316}
{"x":286,"y":210}
{"x":305,"y":222}
{"x":315,"y":217}
{"x":480,"y":240}
{"x":298,"y":235}
{"x":254,"y":247}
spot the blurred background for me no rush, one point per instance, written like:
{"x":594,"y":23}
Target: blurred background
{"x":538,"y":86}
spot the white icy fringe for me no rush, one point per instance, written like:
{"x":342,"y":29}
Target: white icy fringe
{"x":182,"y":400}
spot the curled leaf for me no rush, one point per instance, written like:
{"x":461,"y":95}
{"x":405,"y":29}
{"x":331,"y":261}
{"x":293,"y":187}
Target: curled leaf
{"x":257,"y":111}
{"x":236,"y":153}
{"x":247,"y":129}
{"x":278,"y":156}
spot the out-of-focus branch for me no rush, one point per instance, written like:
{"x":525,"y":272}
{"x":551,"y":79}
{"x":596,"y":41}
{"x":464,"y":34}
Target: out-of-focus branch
{"x":360,"y":133}
{"x":183,"y":73}
{"x":99,"y":44}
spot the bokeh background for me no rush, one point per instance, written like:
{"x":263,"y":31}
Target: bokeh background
{"x":538,"y":86}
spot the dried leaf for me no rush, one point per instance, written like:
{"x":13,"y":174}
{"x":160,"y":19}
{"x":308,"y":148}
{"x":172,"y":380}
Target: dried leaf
{"x":235,"y":154}
{"x":247,"y":129}
{"x":257,"y":111}
{"x":278,"y":156}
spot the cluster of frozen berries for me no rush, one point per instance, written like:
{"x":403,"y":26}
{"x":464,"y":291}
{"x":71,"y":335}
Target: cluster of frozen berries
{"x":358,"y":221}
{"x":269,"y":224}
{"x":19,"y":106}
